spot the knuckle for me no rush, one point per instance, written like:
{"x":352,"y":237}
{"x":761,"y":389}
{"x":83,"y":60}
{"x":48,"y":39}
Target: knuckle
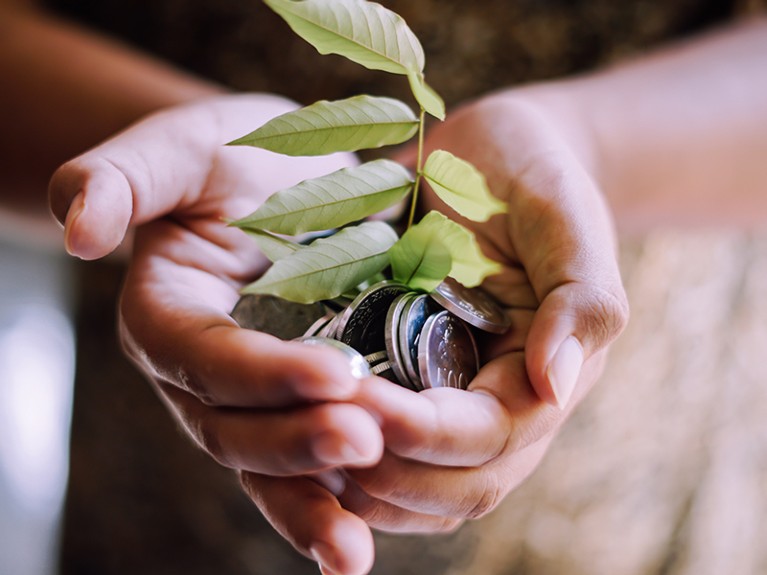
{"x":192,"y":381}
{"x":535,"y":427}
{"x":374,"y":513}
{"x":608,"y":314}
{"x":486,"y":499}
{"x":377,"y":483}
{"x":247,"y":479}
{"x":449,"y":525}
{"x":205,"y":431}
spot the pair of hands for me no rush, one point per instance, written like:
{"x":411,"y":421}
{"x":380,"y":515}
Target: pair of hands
{"x":324,"y":456}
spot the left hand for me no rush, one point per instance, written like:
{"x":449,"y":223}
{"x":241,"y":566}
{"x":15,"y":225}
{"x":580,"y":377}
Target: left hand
{"x":454,"y":454}
{"x":278,"y":412}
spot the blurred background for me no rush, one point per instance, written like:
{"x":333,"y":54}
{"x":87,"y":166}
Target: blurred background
{"x":37,"y":354}
{"x":662,"y":470}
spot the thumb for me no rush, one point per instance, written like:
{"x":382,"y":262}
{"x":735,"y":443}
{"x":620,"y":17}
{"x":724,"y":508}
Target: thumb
{"x":142,"y":173}
{"x":572,"y":265}
{"x":574,"y":321}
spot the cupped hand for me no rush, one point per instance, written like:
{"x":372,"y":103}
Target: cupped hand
{"x":451,"y":454}
{"x":255,"y":403}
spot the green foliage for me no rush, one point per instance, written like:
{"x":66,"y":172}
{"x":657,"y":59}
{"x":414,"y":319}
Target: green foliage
{"x":432,"y":249}
{"x":428,"y":99}
{"x":420,"y":259}
{"x":324,"y":127}
{"x":329,"y":267}
{"x":470,"y":265}
{"x":364,"y":32}
{"x":461,"y":186}
{"x":332,"y":201}
{"x":273,"y":247}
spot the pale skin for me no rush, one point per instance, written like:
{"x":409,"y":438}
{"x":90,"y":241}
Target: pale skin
{"x":677,"y":137}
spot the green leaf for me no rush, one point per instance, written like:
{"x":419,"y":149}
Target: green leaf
{"x":329,"y":266}
{"x":364,"y":32}
{"x":331,"y":201}
{"x":469,"y":265}
{"x":273,"y":247}
{"x":324,"y":127}
{"x":426,"y":96}
{"x":461,"y":186}
{"x":420,"y":259}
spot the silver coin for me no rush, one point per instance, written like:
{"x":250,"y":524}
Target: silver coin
{"x":472,"y":305}
{"x":329,"y":329}
{"x":447,"y":354}
{"x":357,"y":364}
{"x":316,"y":328}
{"x":414,"y":315}
{"x":376,"y":357}
{"x":276,"y":316}
{"x":392,"y":333}
{"x":362,"y":324}
{"x":381,"y":368}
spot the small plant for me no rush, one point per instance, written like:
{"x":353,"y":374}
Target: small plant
{"x":428,"y":251}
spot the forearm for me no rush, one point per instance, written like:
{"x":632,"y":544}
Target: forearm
{"x":676,"y":137}
{"x":67,"y":89}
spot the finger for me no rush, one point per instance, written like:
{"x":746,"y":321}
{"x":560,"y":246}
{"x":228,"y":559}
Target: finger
{"x":311,"y":519}
{"x":385,"y":516}
{"x":492,"y":346}
{"x":176,"y":327}
{"x":145,"y":172}
{"x":173,"y":161}
{"x":443,"y":426}
{"x":500,"y":413}
{"x":454,"y":492}
{"x":562,"y":231}
{"x":224,"y":365}
{"x":280,"y":442}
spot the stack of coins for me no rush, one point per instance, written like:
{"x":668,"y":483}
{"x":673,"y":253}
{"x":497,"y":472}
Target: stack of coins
{"x":414,"y":339}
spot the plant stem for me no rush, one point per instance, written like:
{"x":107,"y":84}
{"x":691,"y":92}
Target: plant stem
{"x":418,"y":167}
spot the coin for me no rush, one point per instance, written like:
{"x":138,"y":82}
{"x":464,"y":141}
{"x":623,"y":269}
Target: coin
{"x":376,"y":357}
{"x":447,"y":354}
{"x":362,"y":324}
{"x":414,"y":316}
{"x":276,"y":316}
{"x":381,"y":368}
{"x":318,"y":326}
{"x":472,"y":305}
{"x":357,"y":364}
{"x":392,"y":329}
{"x":329,"y":329}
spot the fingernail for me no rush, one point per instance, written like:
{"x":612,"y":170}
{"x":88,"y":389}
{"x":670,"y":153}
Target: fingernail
{"x":325,"y":556}
{"x":332,"y":480}
{"x":75,"y":209}
{"x":564,"y":370}
{"x":333,"y":450}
